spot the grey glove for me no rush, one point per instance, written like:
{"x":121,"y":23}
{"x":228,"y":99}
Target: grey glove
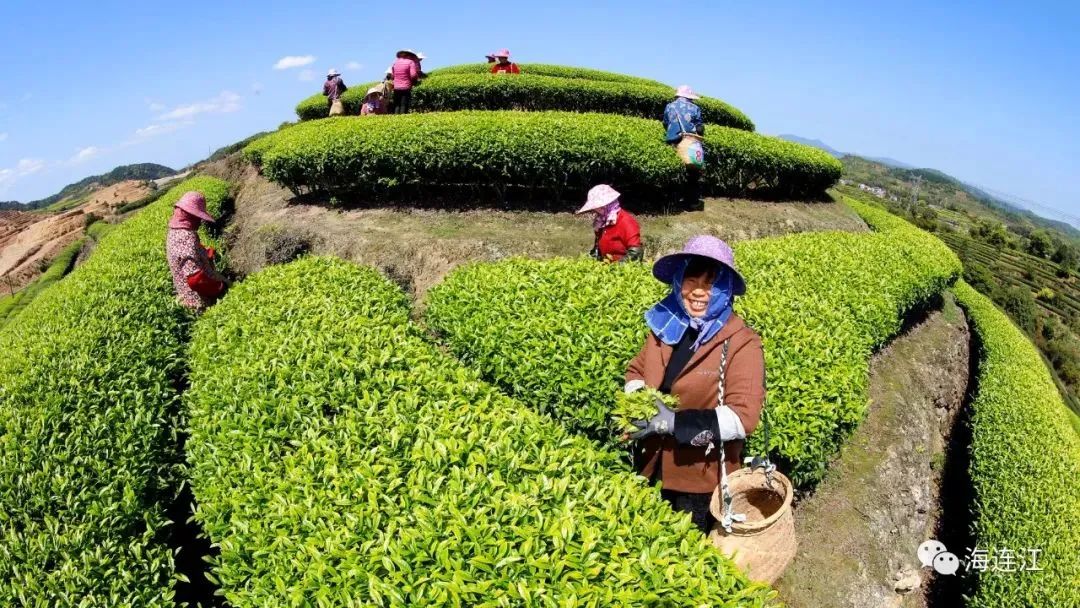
{"x":663,"y":423}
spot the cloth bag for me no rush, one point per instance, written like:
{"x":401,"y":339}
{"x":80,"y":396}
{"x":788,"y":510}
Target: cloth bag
{"x":690,"y":147}
{"x":337,"y":108}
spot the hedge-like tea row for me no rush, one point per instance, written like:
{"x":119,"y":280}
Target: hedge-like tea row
{"x":87,"y":387}
{"x":546,"y":69}
{"x":558,"y":334}
{"x":456,"y":92}
{"x":557,"y":152}
{"x":339,"y":459}
{"x":12,"y":305}
{"x":1025,"y":466}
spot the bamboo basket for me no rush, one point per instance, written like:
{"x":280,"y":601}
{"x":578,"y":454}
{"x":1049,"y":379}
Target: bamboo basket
{"x":764,"y":544}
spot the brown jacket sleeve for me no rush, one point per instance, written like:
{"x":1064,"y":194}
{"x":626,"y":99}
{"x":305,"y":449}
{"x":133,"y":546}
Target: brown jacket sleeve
{"x":636,"y":369}
{"x":744,"y":387}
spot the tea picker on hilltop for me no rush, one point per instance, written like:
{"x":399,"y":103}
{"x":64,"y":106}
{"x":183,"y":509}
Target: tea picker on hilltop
{"x":618,"y":236}
{"x":503,"y":65}
{"x":333,"y":89}
{"x":405,"y":73}
{"x":685,"y":128}
{"x":373,"y":101}
{"x":196,"y":281}
{"x":700,"y":351}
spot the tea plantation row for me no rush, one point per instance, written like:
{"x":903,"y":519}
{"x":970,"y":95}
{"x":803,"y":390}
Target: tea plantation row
{"x":340,"y":459}
{"x":12,"y":305}
{"x":557,"y":334}
{"x":88,"y":390}
{"x":561,"y":153}
{"x":1025,"y":466}
{"x":547,"y":69}
{"x":452,"y":92}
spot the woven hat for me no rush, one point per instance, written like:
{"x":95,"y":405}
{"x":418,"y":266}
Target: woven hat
{"x":684,"y":90}
{"x":701,"y":246}
{"x":599,"y":197}
{"x":404,"y":52}
{"x":194,"y":203}
{"x":501,"y":53}
{"x":373,"y":90}
{"x":333,"y":72}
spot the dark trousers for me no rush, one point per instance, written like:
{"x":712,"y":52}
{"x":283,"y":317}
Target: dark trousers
{"x":692,"y":192}
{"x":401,"y":101}
{"x":697,"y":505}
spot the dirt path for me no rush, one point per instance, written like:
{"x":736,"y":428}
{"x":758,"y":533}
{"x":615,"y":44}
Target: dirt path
{"x":419,"y":246}
{"x":859,"y":532}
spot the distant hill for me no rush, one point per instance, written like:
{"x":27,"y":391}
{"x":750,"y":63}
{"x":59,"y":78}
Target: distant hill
{"x":817,"y":143}
{"x":942,"y":189}
{"x":141,"y":171}
{"x":890,"y":162}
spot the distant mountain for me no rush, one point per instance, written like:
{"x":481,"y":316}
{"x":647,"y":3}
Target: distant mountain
{"x":141,"y":171}
{"x":890,"y":162}
{"x":817,"y":143}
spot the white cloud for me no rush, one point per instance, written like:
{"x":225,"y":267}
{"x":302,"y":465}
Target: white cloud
{"x":307,"y":75}
{"x":23,"y":168}
{"x":226,"y":102}
{"x":161,"y":129}
{"x":294,"y":61}
{"x":3,"y":136}
{"x":86,"y":154}
{"x":155,"y":106}
{"x":354,"y":66}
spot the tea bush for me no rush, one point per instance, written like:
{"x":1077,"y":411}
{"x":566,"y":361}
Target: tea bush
{"x":546,"y":69}
{"x":556,"y":152}
{"x":558,"y":334}
{"x":1025,"y":466}
{"x":456,"y":92}
{"x":339,"y":459}
{"x":88,"y":386}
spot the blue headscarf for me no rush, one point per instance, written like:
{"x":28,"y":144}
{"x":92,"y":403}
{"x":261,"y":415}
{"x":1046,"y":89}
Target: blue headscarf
{"x":669,"y":318}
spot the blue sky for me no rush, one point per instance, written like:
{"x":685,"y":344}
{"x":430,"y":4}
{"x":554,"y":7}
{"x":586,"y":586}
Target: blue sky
{"x":988,"y":92}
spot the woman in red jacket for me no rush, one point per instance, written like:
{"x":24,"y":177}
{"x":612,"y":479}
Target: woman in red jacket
{"x":618,"y":236}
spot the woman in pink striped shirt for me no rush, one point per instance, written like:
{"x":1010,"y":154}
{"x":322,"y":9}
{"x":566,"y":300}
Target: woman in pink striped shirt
{"x":406,"y":72}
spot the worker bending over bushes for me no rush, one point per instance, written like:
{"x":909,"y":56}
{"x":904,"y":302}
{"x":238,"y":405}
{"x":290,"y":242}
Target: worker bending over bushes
{"x":701,"y":352}
{"x":198,"y":284}
{"x":618,"y":236}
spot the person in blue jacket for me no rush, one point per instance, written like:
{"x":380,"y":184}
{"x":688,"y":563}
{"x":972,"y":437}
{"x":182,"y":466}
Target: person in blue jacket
{"x":684,"y":123}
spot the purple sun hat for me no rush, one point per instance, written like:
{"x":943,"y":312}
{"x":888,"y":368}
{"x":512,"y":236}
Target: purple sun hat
{"x":704,"y":246}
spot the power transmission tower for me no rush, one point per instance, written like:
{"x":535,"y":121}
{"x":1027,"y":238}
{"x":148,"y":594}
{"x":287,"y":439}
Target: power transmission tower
{"x":915,"y":194}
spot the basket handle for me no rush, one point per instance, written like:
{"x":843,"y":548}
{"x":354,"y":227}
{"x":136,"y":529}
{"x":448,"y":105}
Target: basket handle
{"x":729,"y":515}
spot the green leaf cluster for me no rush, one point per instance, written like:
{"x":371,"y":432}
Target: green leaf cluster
{"x":638,"y":405}
{"x":563,"y":153}
{"x":88,"y":388}
{"x":558,"y":334}
{"x":1025,"y":465}
{"x":339,"y":459}
{"x":530,"y":92}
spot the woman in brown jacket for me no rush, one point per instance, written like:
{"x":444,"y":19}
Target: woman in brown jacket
{"x":694,"y":333}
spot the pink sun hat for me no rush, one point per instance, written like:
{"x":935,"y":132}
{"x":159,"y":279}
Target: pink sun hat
{"x":599,"y":197}
{"x":501,"y":53}
{"x":684,"y":90}
{"x":195,"y":204}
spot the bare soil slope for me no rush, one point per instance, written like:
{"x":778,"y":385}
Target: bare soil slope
{"x":28,"y":241}
{"x":858,"y":533}
{"x":419,"y":246}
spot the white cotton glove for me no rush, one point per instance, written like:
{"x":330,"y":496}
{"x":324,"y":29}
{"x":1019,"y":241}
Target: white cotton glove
{"x":633,"y":385}
{"x":730,"y":426}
